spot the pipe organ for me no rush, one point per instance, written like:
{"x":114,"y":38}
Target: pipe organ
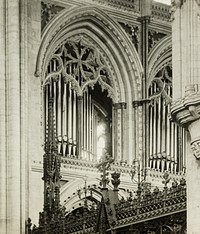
{"x":75,"y":78}
{"x":76,"y":117}
{"x":74,"y":70}
{"x":77,"y":137}
{"x":167,"y":140}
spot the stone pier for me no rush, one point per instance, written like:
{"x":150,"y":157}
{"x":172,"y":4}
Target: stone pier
{"x":185,"y":108}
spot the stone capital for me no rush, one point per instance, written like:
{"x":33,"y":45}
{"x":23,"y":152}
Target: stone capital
{"x":186,"y":110}
{"x":119,"y":105}
{"x":175,"y":4}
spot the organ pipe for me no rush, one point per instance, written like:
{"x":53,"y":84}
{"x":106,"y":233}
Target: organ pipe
{"x":47,"y":98}
{"x":64,"y":110}
{"x":70,"y":113}
{"x":84,"y":123}
{"x":151,"y":127}
{"x":74,"y":123}
{"x":159,"y":126}
{"x":172,"y":147}
{"x":79,"y":124}
{"x":55,"y":99}
{"x":76,"y":118}
{"x":163,"y":136}
{"x":64,"y":117}
{"x":92,"y":130}
{"x":59,"y":123}
{"x":154,"y":125}
{"x":175,"y":146}
{"x":87,"y":122}
{"x":163,"y":128}
{"x":168,"y":133}
{"x":89,"y":127}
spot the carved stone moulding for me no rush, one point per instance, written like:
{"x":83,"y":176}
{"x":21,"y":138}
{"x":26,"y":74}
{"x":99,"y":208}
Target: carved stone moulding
{"x":195,"y":146}
{"x":48,"y":12}
{"x":186,"y":110}
{"x":160,"y":12}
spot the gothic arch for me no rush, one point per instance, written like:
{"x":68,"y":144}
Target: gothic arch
{"x":69,"y":196}
{"x":159,"y":57}
{"x":164,"y":141}
{"x":119,"y":53}
{"x":108,"y":37}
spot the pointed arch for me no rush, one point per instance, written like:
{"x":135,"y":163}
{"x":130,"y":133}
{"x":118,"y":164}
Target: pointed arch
{"x":120,"y":55}
{"x":160,"y":56}
{"x":69,"y":196}
{"x":107,"y":35}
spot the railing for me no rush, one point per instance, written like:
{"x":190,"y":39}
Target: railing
{"x":146,"y":205}
{"x":84,"y":223}
{"x":152,"y":204}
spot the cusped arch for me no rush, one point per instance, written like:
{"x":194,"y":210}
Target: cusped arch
{"x":69,"y":196}
{"x":107,"y":35}
{"x":159,"y":57}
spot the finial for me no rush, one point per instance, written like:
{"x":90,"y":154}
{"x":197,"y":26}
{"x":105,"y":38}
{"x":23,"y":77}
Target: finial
{"x":166,"y":179}
{"x":115,"y":180}
{"x":103,"y":166}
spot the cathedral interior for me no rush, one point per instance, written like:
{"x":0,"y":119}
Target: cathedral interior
{"x":100,"y":117}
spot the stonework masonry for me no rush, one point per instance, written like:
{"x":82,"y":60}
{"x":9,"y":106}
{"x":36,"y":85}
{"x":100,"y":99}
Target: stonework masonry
{"x":26,"y":46}
{"x":185,"y":107}
{"x":20,"y":121}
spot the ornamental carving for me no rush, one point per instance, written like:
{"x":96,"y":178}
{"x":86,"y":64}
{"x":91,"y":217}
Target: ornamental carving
{"x":195,"y":146}
{"x":160,"y":12}
{"x":115,"y":179}
{"x":103,"y":166}
{"x":174,"y":5}
{"x":163,"y":86}
{"x":81,"y":64}
{"x":154,"y":37}
{"x":48,"y":12}
{"x":186,"y":110}
{"x":125,"y":5}
{"x":133,"y":33}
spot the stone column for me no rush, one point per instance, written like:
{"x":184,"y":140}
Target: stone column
{"x":13,"y":131}
{"x":146,"y":6}
{"x":120,"y":131}
{"x":2,"y":121}
{"x":185,"y":108}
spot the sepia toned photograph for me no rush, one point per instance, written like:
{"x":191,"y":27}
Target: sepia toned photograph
{"x":99,"y":117}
